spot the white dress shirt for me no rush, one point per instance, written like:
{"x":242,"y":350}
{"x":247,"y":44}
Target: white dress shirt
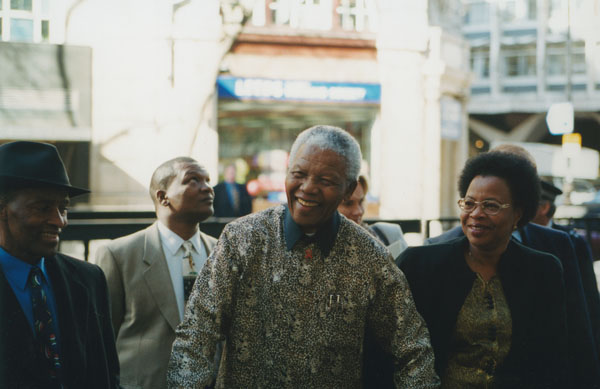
{"x":173,"y":250}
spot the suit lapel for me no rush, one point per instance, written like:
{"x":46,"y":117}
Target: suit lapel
{"x":158,"y":277}
{"x":73,"y":309}
{"x":208,"y":245}
{"x":21,"y":360}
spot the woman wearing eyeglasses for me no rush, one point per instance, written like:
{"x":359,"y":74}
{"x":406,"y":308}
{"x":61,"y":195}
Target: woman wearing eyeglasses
{"x":495,"y":308}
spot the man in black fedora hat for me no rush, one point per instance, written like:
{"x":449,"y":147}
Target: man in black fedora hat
{"x":55,"y":328}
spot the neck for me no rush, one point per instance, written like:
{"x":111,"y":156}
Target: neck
{"x":485,"y":257}
{"x":482,"y":261}
{"x":185,"y":230}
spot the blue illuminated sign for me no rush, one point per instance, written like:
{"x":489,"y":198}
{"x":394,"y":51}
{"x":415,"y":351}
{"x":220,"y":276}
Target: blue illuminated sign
{"x":311,"y":91}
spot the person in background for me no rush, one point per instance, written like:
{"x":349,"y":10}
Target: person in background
{"x":584,"y":364}
{"x":495,"y":308}
{"x":390,"y":234}
{"x":543,"y":217}
{"x":231,"y":199}
{"x":150,"y":273}
{"x":55,"y":327}
{"x":293,"y":289}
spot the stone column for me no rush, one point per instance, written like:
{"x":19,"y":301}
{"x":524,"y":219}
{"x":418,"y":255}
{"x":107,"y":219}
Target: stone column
{"x":401,"y":44}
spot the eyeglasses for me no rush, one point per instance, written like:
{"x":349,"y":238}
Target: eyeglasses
{"x":489,"y":207}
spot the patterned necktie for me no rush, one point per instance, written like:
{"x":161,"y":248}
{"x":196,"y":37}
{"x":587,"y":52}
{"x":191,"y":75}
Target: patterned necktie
{"x":189,"y":270}
{"x":43,"y":324}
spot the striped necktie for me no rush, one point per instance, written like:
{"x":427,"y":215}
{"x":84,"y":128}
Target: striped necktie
{"x":43,"y":324}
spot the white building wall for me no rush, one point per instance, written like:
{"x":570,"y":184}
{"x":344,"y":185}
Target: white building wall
{"x":154,"y":98}
{"x":153,"y":80}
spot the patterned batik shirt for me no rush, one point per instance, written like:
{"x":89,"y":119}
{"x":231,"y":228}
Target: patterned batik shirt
{"x":296,"y":319}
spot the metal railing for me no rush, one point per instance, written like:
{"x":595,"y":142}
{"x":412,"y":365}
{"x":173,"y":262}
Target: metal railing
{"x":87,"y":226}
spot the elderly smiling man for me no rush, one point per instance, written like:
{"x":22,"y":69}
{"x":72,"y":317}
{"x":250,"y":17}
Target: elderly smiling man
{"x":293,"y":290}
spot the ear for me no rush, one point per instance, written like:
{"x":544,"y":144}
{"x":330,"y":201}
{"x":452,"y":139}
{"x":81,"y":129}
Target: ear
{"x":544,"y":207}
{"x":161,"y":197}
{"x":350,"y":190}
{"x":3,"y":212}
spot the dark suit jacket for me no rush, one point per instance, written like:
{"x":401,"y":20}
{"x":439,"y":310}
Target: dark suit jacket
{"x":440,"y":281}
{"x":584,"y":363}
{"x":223,"y":206}
{"x":87,"y":346}
{"x":588,"y":278}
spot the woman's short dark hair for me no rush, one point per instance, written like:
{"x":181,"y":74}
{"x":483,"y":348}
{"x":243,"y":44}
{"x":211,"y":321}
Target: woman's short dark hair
{"x":519,"y":173}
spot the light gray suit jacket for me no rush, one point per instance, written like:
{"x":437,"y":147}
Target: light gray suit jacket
{"x":143,"y":305}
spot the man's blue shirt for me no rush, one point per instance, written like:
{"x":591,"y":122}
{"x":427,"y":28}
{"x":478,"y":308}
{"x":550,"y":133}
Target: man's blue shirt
{"x":17,"y":272}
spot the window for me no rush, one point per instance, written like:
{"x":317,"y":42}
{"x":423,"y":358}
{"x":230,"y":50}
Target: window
{"x":21,"y":30}
{"x":322,"y":15}
{"x":25,"y":20}
{"x":519,"y":64}
{"x":518,"y":10}
{"x":302,"y":14}
{"x":556,"y":64}
{"x":477,"y":13}
{"x":357,"y":15}
{"x":24,"y":5}
{"x":480,"y":65}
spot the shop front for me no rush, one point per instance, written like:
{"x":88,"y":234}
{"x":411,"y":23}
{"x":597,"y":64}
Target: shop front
{"x":259,"y":119}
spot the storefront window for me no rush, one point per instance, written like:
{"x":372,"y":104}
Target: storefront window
{"x":259,"y":141}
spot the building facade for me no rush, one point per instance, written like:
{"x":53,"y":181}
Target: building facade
{"x":205,"y":79}
{"x":526,"y":55}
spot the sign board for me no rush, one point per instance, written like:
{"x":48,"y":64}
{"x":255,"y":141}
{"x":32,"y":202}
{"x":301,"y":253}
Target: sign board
{"x":560,"y":118}
{"x":571,"y":144}
{"x":310,"y":91}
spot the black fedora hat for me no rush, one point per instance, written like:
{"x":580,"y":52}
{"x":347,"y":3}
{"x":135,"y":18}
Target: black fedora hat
{"x":32,"y":164}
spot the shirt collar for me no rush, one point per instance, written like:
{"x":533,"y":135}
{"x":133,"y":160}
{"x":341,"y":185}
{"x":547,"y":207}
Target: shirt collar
{"x":173,"y":242}
{"x":18,"y":270}
{"x":517,"y":235}
{"x":324,"y":237}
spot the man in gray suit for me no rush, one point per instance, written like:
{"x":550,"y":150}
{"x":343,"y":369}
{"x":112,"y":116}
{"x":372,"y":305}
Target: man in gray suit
{"x":150,"y":271}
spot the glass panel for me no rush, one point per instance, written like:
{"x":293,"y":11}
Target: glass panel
{"x":578,"y":65}
{"x":509,"y":11}
{"x":477,"y":13}
{"x":45,"y":30}
{"x":21,"y":30}
{"x":24,"y":5}
{"x":556,"y":64}
{"x":532,"y":9}
{"x":516,"y":66}
{"x":0,"y":4}
{"x":480,"y":65}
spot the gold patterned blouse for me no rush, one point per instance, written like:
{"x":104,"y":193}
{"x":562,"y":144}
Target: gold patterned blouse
{"x":481,"y":338}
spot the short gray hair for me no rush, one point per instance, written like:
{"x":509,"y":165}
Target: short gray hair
{"x":334,"y":139}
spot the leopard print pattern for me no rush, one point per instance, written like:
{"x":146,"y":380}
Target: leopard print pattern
{"x":295,"y":319}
